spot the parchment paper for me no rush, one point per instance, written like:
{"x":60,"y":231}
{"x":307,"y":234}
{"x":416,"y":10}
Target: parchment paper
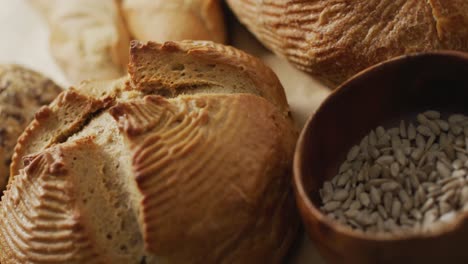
{"x":24,"y":40}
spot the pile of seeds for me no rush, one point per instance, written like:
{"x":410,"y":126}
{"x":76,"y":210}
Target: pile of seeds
{"x":407,"y":178}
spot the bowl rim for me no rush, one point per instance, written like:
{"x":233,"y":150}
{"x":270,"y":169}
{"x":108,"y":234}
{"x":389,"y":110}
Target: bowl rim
{"x":301,"y":193}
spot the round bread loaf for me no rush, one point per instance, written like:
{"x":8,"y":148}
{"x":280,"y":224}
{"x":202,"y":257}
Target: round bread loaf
{"x":185,"y":160}
{"x":22,"y":93}
{"x":334,"y":40}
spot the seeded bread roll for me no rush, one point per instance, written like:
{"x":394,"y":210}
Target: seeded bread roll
{"x":88,"y":38}
{"x":22,"y":92}
{"x":160,"y":20}
{"x":333,"y":40}
{"x":186,"y":160}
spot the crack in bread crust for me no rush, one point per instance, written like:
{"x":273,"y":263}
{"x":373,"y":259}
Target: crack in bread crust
{"x":181,"y":167}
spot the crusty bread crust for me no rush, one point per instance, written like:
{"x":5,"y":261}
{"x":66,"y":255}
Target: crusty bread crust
{"x":202,"y":172}
{"x":333,"y":40}
{"x":22,"y":92}
{"x":191,"y":66}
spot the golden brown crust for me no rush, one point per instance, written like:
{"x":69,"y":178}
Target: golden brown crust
{"x":22,"y":92}
{"x":187,"y":155}
{"x":39,"y":218}
{"x":189,"y":65}
{"x":333,"y":40}
{"x":54,"y":124}
{"x":160,"y":20}
{"x":203,"y":174}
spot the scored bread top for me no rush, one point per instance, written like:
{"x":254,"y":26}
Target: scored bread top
{"x":189,"y":169}
{"x":202,"y":67}
{"x":43,"y":198}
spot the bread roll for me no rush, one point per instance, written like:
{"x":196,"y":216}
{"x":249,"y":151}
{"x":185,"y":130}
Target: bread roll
{"x":333,"y":40}
{"x":186,"y":160}
{"x":88,"y":38}
{"x":160,"y":20}
{"x":22,"y":92}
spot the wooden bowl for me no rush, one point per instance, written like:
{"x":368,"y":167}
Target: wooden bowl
{"x":388,"y":91}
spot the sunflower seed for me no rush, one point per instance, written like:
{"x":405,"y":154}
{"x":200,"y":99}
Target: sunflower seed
{"x":400,"y":156}
{"x":433,"y":127}
{"x":340,"y":195}
{"x":458,"y":173}
{"x":351,"y":213}
{"x":443,"y":170}
{"x":382,"y":211}
{"x":389,"y":186}
{"x":456,"y":118}
{"x":373,"y":152}
{"x":396,"y":209}
{"x":429,"y":217}
{"x":396,"y":142}
{"x":422,"y":119}
{"x":344,"y":167}
{"x":444,"y":126}
{"x":447,"y":196}
{"x":412,"y":174}
{"x":420,"y":142}
{"x":427,"y":205}
{"x":430,"y":142}
{"x":375,"y":195}
{"x":414,"y":180}
{"x":417,"y":154}
{"x":405,"y":199}
{"x":343,"y":179}
{"x":384,"y":141}
{"x":411,"y":131}
{"x":385,"y":160}
{"x":416,"y":214}
{"x":331,"y":206}
{"x":395,"y":169}
{"x":424,"y":130}
{"x":364,"y":199}
{"x":353,"y":152}
{"x":431,"y":114}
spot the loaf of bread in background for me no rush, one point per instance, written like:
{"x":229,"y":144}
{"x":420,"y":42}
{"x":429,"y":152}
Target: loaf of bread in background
{"x":161,"y":20}
{"x":88,"y":38}
{"x":22,"y":93}
{"x":333,"y":40}
{"x":187,"y":159}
